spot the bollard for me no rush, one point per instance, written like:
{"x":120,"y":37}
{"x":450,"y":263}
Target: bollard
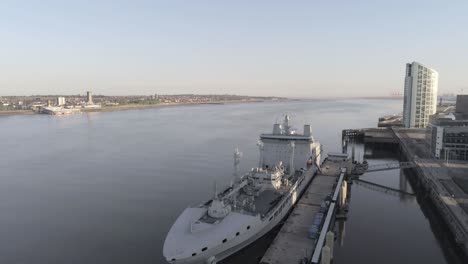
{"x":325,"y":255}
{"x":344,"y":193}
{"x":329,"y":242}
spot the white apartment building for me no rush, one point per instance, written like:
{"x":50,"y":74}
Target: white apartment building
{"x":420,"y":99}
{"x":448,"y":138}
{"x":61,"y":101}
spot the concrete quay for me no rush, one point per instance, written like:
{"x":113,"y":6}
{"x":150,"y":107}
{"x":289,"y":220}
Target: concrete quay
{"x":370,"y":135}
{"x":292,"y":243}
{"x":445,"y":183}
{"x":374,"y":138}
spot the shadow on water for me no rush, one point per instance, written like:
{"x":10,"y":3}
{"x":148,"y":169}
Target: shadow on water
{"x":451,"y":250}
{"x":253,"y":253}
{"x":388,"y":230}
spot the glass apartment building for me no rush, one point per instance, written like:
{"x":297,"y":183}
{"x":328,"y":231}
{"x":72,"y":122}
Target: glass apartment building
{"x":420,"y":101}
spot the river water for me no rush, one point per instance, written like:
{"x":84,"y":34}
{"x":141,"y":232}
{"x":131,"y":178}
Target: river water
{"x":106,"y":187}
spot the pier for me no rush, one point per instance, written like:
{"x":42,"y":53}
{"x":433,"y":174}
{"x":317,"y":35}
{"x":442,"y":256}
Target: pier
{"x":370,"y":135}
{"x":374,"y":140}
{"x":296,"y":242}
{"x":446,"y":184}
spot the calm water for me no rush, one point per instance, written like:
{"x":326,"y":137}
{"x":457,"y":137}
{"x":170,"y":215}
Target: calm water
{"x":106,"y":187}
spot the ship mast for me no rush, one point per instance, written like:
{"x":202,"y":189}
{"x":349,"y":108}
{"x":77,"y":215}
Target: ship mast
{"x":260,"y":148}
{"x":286,"y":126}
{"x":215,"y":197}
{"x":292,"y":146}
{"x":237,"y":156}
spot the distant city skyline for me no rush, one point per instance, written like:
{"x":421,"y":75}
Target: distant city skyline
{"x":259,"y":48}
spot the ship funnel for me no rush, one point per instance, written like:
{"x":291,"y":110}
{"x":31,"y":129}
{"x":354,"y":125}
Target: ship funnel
{"x":307,"y":130}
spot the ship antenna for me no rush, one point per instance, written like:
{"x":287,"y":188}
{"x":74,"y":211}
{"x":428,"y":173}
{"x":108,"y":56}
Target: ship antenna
{"x":215,"y":191}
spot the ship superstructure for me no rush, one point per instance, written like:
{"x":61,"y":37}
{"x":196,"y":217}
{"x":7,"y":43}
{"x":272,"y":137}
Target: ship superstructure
{"x":253,"y":203}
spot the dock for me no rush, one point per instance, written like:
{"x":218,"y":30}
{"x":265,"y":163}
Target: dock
{"x":371,"y":135}
{"x":293,"y":243}
{"x":445,"y":183}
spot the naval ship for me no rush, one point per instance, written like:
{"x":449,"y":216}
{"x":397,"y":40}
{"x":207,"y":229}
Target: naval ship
{"x":253,"y":204}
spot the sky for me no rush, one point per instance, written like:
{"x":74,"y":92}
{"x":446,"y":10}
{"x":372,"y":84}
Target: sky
{"x":268,"y":48}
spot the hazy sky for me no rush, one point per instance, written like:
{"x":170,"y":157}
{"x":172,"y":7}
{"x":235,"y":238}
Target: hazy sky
{"x":284,"y":48}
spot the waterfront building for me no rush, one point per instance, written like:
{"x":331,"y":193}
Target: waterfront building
{"x":89,"y":98}
{"x":91,"y":106}
{"x":448,"y":138}
{"x":420,"y":100}
{"x":89,"y":102}
{"x":57,"y":110}
{"x":61,"y":101}
{"x":462,"y":104}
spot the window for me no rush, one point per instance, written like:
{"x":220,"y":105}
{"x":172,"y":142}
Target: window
{"x":194,"y":254}
{"x":224,"y":240}
{"x":204,"y":249}
{"x":248,"y":227}
{"x":237,"y":233}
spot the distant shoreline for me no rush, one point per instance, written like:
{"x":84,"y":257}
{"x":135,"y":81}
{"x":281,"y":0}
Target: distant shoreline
{"x":142,"y":106}
{"x":351,"y":98}
{"x":17,"y":112}
{"x":145,"y":106}
{"x":382,"y":97}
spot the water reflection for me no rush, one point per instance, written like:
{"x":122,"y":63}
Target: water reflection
{"x":341,"y":232}
{"x":404,"y":186}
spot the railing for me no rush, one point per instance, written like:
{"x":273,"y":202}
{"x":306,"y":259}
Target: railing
{"x":328,"y":219}
{"x":391,"y":166}
{"x":382,"y":188}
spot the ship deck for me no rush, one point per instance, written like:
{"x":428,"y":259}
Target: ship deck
{"x":266,"y":200}
{"x":264,"y":203}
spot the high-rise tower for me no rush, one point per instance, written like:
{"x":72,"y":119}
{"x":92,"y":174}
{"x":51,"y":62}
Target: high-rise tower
{"x":89,"y":97}
{"x":420,"y":99}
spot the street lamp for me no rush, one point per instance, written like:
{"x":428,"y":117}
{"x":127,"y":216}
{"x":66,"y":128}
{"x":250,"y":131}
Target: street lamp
{"x":447,"y":155}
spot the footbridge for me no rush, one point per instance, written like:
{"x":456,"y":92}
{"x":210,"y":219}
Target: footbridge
{"x":382,"y":188}
{"x":391,"y":166}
